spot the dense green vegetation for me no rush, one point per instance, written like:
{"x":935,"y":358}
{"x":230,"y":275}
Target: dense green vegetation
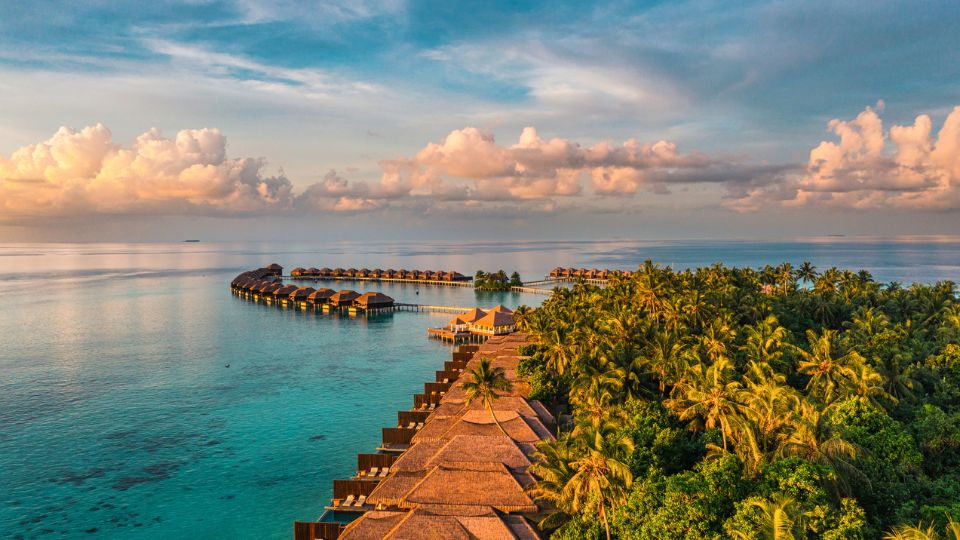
{"x":496,"y":281}
{"x":741,"y":403}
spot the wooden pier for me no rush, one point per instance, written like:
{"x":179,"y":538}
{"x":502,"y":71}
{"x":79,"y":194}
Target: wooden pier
{"x":531,"y":290}
{"x":399,"y":306}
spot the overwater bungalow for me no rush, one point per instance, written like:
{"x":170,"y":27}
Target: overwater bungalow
{"x":338,"y":272}
{"x":494,"y":323}
{"x":297,"y":272}
{"x":320,"y":296}
{"x":343,"y":298}
{"x":312,"y":271}
{"x":376,"y":273}
{"x":390,"y":273}
{"x":301,"y":294}
{"x":373,"y":300}
{"x":350,"y":272}
{"x":274,"y":269}
{"x":326,"y":272}
{"x":363,"y":273}
{"x":284,"y":291}
{"x":268,"y":288}
{"x":556,"y":272}
{"x":603,"y":274}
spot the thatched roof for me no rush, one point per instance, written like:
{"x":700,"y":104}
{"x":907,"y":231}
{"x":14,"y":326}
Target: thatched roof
{"x":301,"y":293}
{"x":284,"y":290}
{"x":312,"y":271}
{"x":270,"y":287}
{"x":501,"y":308}
{"x":297,"y":271}
{"x":478,"y":422}
{"x":457,"y":321}
{"x":373,"y":300}
{"x":320,"y":295}
{"x":428,"y":522}
{"x":473,"y":315}
{"x":274,"y":266}
{"x":375,"y":524}
{"x":471,"y":484}
{"x":494,"y":319}
{"x":344,"y":297}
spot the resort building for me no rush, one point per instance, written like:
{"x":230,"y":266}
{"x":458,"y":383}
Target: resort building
{"x":460,"y":476}
{"x":343,"y":298}
{"x":373,"y":300}
{"x":494,"y":323}
{"x":320,"y":296}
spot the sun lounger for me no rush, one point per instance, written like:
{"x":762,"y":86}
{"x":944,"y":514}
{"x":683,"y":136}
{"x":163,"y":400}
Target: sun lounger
{"x":348,"y":501}
{"x":374,"y":471}
{"x":384,"y":472}
{"x":410,"y":425}
{"x":362,"y":499}
{"x":419,"y":425}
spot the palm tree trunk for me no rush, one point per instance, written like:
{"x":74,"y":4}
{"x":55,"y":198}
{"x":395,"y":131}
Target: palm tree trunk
{"x":494,"y":416}
{"x":606,"y":525}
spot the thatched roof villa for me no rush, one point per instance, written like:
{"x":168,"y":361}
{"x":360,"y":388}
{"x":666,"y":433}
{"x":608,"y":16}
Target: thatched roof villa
{"x":301,"y":294}
{"x":373,"y":300}
{"x":343,"y":298}
{"x":320,"y":296}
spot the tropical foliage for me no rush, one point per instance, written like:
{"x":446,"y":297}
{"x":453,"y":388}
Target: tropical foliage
{"x":496,"y":281}
{"x":721,"y":402}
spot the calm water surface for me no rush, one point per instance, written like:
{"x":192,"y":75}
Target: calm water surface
{"x":120,"y":418}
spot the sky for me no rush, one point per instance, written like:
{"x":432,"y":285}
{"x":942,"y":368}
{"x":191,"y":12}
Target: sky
{"x":403,"y":120}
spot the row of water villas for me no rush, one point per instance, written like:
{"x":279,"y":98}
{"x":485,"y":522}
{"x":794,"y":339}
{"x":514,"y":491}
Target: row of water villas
{"x":439,"y":276}
{"x":263,"y":284}
{"x":588,"y":274}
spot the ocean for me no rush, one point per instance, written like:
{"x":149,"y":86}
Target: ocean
{"x":140,"y":399}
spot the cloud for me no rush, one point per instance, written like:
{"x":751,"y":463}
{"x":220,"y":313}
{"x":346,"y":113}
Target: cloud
{"x":869,"y":167}
{"x":469,"y":164}
{"x":86,"y":172}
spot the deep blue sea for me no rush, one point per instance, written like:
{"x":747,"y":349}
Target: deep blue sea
{"x":119,"y":417}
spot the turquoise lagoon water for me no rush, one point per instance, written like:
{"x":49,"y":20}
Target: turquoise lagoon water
{"x":120,"y":418}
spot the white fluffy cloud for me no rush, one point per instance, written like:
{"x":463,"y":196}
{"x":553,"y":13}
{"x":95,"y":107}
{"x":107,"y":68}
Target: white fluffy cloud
{"x":903,"y":167}
{"x":82,"y":172}
{"x":470,"y":164}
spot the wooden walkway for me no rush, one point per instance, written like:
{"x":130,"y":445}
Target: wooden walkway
{"x":532,"y":290}
{"x":436,"y":309}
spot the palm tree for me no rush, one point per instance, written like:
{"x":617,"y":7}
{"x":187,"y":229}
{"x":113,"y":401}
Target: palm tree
{"x":551,"y":466}
{"x":521,"y":318}
{"x":482,"y":383}
{"x":780,"y":519}
{"x":664,"y":356}
{"x":898,"y":380}
{"x":868,"y":385}
{"x":807,"y":272}
{"x":558,"y":354}
{"x":813,"y":438}
{"x":600,"y":478}
{"x":767,"y":405}
{"x":709,"y":394}
{"x":913,"y":532}
{"x":827,"y":374}
{"x":765,"y":340}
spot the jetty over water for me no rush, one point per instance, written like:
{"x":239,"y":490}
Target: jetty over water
{"x":446,"y":470}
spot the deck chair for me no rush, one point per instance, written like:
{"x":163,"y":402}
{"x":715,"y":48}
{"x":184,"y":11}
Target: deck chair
{"x":374,"y":470}
{"x":348,"y":501}
{"x":419,"y":425}
{"x":362,"y":499}
{"x":384,"y":471}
